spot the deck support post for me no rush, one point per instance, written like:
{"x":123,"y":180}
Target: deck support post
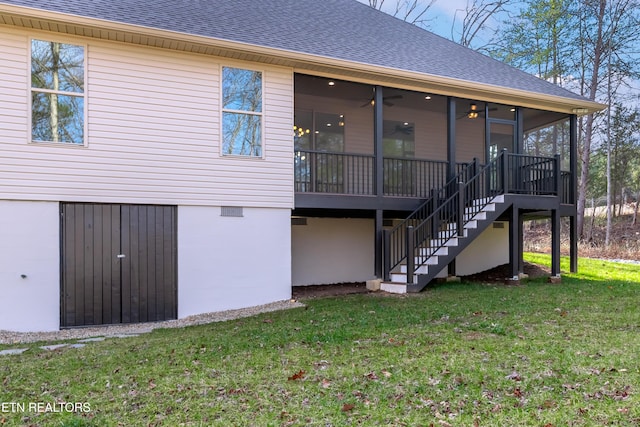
{"x":514,"y":243}
{"x":573,"y":191}
{"x":555,"y":242}
{"x":386,"y":245}
{"x":379,"y":255}
{"x":573,"y":242}
{"x":378,"y":176}
{"x":520,"y":244}
{"x":451,"y":268}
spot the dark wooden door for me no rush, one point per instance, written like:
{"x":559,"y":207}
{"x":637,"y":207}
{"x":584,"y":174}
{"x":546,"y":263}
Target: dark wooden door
{"x":118,"y":263}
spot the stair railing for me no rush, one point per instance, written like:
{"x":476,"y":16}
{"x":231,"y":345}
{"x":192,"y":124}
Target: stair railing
{"x":396,"y":240}
{"x":453,"y":206}
{"x":448,"y":220}
{"x":448,"y":215}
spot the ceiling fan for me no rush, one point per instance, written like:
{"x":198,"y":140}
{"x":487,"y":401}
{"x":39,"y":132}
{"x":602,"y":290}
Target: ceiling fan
{"x":474,"y":112}
{"x":385,"y":101}
{"x":405,"y":129}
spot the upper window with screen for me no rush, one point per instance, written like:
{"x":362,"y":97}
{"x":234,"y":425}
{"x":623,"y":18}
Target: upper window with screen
{"x":241,"y":112}
{"x":57,"y":92}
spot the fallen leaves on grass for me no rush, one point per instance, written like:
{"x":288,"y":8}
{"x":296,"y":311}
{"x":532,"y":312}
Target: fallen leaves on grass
{"x":325,"y":383}
{"x":372,"y":375}
{"x":297,"y":376}
{"x":348,"y":407}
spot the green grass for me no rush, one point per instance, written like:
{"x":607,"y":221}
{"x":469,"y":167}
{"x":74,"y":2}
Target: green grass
{"x":457,"y":354}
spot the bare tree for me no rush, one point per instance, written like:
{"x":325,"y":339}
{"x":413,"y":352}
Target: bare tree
{"x":608,"y":32}
{"x":411,"y":11}
{"x":475,"y":19}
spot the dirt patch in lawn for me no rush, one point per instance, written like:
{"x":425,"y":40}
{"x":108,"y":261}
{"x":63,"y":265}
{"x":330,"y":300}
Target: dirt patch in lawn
{"x":502,"y":272}
{"x":318,"y":291}
{"x":494,"y":275}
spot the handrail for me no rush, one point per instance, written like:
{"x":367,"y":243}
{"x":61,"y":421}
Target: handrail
{"x":466,"y":201}
{"x":395,"y":245}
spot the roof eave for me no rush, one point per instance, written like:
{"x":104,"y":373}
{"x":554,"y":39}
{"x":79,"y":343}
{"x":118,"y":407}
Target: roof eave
{"x":304,"y":62}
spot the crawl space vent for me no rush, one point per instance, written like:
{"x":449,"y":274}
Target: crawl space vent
{"x":235,"y":211}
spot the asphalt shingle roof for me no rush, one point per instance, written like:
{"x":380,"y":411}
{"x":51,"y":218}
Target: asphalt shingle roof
{"x":340,"y":29}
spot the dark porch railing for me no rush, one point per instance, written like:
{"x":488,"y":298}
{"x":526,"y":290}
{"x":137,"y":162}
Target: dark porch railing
{"x":412,"y":177}
{"x":354,"y":174}
{"x":533,"y":175}
{"x":342,"y":173}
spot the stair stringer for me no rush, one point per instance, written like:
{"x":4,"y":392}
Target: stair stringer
{"x":453,"y":251}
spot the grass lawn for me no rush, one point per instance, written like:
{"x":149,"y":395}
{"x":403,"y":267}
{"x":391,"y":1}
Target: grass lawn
{"x":457,"y":354}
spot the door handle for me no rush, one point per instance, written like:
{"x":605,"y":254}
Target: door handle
{"x":120,"y":256}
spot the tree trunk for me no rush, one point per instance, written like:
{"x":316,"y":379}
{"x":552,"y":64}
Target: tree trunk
{"x":585,"y":157}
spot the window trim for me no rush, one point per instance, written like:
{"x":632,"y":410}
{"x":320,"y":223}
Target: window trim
{"x":31,"y":90}
{"x":260,"y":114}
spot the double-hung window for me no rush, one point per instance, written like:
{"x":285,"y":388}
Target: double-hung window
{"x":57,"y":92}
{"x":241,"y":112}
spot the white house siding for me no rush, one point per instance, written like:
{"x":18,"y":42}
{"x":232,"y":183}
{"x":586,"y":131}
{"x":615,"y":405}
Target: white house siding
{"x":232,"y":262}
{"x":332,"y":250}
{"x":489,"y":250}
{"x":153,"y":132}
{"x":153,"y":137}
{"x":13,"y":89}
{"x":29,"y":266}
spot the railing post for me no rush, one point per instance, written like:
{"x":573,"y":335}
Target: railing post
{"x":505,"y":171}
{"x":461,"y":208}
{"x":557,"y":177}
{"x":474,"y":187}
{"x":433,"y":206}
{"x":410,"y":242}
{"x":386,"y":255}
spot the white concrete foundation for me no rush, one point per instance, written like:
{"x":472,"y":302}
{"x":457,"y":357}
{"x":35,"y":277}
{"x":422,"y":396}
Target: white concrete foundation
{"x":332,"y":250}
{"x":29,"y":266}
{"x":489,"y":250}
{"x":227,"y":263}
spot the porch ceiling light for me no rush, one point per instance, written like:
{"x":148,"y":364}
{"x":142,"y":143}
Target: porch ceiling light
{"x":473,"y":111}
{"x":428,"y":97}
{"x":299,"y":131}
{"x":332,"y":83}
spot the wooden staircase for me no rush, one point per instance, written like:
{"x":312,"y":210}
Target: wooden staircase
{"x":436,"y":254}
